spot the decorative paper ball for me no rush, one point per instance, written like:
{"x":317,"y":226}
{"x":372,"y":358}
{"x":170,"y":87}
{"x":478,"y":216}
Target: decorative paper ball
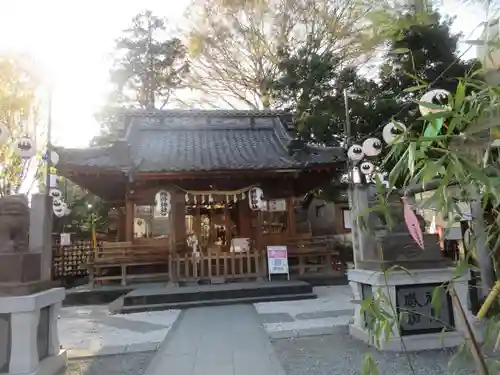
{"x":55,"y":193}
{"x":25,"y":148}
{"x":393,"y":133}
{"x":437,"y":97}
{"x":355,"y":153}
{"x":367,"y":168}
{"x":372,"y":147}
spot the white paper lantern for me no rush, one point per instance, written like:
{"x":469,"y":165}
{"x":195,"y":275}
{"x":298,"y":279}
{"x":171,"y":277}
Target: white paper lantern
{"x":367,"y":168}
{"x":393,"y":133}
{"x":162,"y":204}
{"x":55,"y":193}
{"x":59,"y":212}
{"x":25,"y":147}
{"x":256,"y":198}
{"x":372,"y":147}
{"x":438,"y":97}
{"x":355,"y":153}
{"x":4,"y":133}
{"x":57,"y":203}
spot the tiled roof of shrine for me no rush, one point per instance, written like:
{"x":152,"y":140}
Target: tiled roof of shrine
{"x":198,"y":140}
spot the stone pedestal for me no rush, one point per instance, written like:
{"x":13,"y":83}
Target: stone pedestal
{"x":411,"y":292}
{"x":29,"y":341}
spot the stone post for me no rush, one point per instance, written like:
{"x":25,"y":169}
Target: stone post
{"x":41,"y":232}
{"x":29,"y":343}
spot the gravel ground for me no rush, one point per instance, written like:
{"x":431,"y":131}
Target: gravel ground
{"x":339,"y":354}
{"x":125,"y":364}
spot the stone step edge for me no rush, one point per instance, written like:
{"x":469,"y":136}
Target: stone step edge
{"x":308,"y":332}
{"x":215,"y":302}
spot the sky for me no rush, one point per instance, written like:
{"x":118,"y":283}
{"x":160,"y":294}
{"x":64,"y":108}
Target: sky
{"x":71,"y":41}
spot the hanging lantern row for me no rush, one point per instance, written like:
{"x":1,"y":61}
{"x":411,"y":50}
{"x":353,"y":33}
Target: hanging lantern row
{"x":163,"y":204}
{"x":208,"y":199}
{"x":59,"y":207}
{"x":392,"y":133}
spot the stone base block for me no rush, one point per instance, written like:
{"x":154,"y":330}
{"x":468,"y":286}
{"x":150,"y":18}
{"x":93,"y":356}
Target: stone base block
{"x":409,"y":294}
{"x":20,"y":267}
{"x":29,"y":340}
{"x":53,"y":365}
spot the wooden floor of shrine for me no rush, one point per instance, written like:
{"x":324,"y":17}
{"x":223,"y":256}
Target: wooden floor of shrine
{"x":160,"y":296}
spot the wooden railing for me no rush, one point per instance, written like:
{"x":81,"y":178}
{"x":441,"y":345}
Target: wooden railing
{"x":125,"y":261}
{"x":224,"y":265}
{"x":315,"y":257}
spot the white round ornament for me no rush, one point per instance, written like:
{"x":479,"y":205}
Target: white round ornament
{"x":25,"y":147}
{"x":372,"y":147}
{"x":55,"y":193}
{"x":355,"y":153}
{"x":437,"y":97}
{"x":367,"y":168}
{"x":393,"y":133}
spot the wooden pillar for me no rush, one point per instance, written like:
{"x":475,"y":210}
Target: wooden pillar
{"x":260,"y":245}
{"x":227,"y":224}
{"x":120,"y":225}
{"x":172,"y":259}
{"x":129,"y":220}
{"x":292,"y":222}
{"x":244,"y":222}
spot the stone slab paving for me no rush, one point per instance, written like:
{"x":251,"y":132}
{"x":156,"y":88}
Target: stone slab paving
{"x":340,"y":354}
{"x":223,"y":340}
{"x":333,"y":308}
{"x":92,"y":331}
{"x":124,"y":364}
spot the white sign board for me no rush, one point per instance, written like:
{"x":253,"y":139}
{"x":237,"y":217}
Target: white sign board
{"x":277,"y":261}
{"x":65,"y":239}
{"x":277,"y":205}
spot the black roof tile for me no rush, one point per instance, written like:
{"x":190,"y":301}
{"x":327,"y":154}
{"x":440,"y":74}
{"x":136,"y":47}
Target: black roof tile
{"x":192,"y":140}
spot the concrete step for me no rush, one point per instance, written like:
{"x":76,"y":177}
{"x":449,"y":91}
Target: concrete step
{"x":203,"y":295}
{"x":210,"y":302}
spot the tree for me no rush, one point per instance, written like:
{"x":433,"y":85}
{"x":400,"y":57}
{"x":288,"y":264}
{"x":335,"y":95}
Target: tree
{"x":422,"y":56}
{"x":149,"y":67}
{"x":19,"y":113}
{"x":311,"y":85}
{"x":237,"y":46}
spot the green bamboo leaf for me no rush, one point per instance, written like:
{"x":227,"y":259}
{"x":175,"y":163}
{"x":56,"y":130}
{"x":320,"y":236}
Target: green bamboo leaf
{"x":399,"y":51}
{"x":412,"y":156}
{"x":415,"y":88}
{"x":436,"y":300}
{"x":459,"y":96}
{"x":429,"y":105}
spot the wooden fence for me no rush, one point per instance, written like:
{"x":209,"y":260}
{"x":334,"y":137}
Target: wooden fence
{"x":125,"y":262}
{"x":228,"y":266}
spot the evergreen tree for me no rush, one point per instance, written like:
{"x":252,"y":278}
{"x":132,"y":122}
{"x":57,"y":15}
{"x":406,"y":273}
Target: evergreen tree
{"x":149,"y":67}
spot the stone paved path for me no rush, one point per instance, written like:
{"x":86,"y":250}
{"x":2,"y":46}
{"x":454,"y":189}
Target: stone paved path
{"x":225,"y":340}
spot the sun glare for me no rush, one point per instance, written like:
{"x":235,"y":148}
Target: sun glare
{"x":70,"y":43}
